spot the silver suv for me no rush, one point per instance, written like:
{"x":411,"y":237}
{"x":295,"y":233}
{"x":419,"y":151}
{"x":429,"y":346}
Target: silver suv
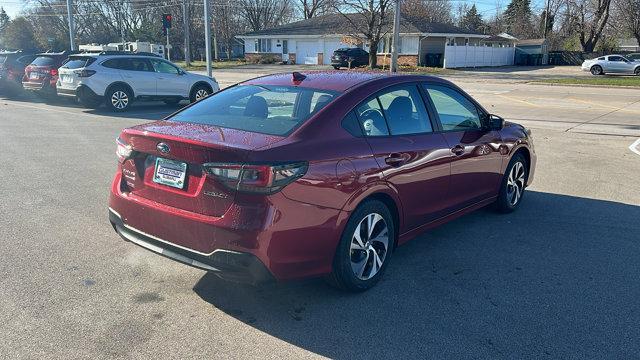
{"x":119,"y":79}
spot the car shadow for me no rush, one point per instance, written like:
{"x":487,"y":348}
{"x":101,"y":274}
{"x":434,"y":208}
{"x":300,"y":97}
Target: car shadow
{"x":556,"y":279}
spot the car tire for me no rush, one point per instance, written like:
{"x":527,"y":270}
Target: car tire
{"x":363,"y":254}
{"x":336,"y":67}
{"x":513,"y":185}
{"x":637,"y":71}
{"x":596,"y":70}
{"x":199,"y":92}
{"x":118,"y":99}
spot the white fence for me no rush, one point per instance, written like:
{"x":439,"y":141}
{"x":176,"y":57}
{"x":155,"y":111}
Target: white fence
{"x":473,"y":56}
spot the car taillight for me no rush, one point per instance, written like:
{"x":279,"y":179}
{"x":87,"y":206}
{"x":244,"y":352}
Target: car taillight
{"x":84,"y":73}
{"x":256,"y":178}
{"x":123,"y":150}
{"x":53,"y":72}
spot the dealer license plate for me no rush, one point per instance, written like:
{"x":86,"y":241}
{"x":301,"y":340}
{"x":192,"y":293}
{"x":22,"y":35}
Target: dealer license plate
{"x":170,"y":172}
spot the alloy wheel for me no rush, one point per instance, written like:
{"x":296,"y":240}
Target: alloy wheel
{"x":515,"y":183}
{"x":201,"y":94}
{"x":119,"y":99}
{"x":369,"y":246}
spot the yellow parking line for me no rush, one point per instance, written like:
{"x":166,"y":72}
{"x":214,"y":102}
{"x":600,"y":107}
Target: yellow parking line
{"x":518,"y":100}
{"x":595,"y":104}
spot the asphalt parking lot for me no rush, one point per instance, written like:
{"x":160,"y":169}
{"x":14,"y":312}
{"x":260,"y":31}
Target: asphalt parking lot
{"x":556,"y":279}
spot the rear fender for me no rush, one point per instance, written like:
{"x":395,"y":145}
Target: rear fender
{"x":378,"y":187}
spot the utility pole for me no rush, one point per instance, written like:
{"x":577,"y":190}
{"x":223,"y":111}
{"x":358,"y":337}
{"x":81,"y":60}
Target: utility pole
{"x":121,"y":17}
{"x":168,"y":46}
{"x":207,"y":36}
{"x":187,"y":40}
{"x":72,"y":42}
{"x":396,"y":38}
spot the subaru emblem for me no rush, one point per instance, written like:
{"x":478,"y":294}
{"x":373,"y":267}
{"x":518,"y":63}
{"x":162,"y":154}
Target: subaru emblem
{"x":163,"y":148}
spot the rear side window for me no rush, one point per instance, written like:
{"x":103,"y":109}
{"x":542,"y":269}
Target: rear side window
{"x":400,"y":111}
{"x":266,"y":109}
{"x":77,"y":62}
{"x":43,"y":61}
{"x":455,"y":111}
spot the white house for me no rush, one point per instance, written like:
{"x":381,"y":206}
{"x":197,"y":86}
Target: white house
{"x":313,"y":41}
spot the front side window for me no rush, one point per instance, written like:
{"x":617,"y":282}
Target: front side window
{"x":615,"y":58}
{"x":456,"y":112}
{"x":164,"y":67}
{"x":266,"y":109}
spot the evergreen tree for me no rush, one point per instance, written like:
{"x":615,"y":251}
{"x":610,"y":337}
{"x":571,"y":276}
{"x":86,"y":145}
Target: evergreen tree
{"x":518,"y":19}
{"x":18,"y":34}
{"x":4,"y":19}
{"x":472,"y":20}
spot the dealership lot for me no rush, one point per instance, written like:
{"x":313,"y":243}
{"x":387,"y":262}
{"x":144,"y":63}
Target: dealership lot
{"x":556,"y":279}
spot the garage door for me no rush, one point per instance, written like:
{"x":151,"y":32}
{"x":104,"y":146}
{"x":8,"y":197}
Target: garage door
{"x":307,"y":52}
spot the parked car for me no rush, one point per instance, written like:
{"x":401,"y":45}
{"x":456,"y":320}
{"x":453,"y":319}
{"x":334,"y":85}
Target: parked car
{"x":633,"y":57}
{"x":326,"y":173}
{"x":611,"y":64}
{"x":349,"y":57}
{"x":118,"y":79}
{"x":41,"y":75}
{"x":12,"y":66}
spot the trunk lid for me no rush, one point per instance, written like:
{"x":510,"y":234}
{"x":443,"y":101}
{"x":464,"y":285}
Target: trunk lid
{"x":194,"y":145}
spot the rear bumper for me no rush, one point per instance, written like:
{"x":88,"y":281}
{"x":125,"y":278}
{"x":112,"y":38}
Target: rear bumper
{"x":292,"y":240}
{"x":230,"y":265}
{"x":66,"y":92}
{"x":38,"y":86}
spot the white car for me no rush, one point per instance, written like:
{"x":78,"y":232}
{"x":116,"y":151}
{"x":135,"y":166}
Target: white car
{"x":611,"y":64}
{"x":117,"y":79}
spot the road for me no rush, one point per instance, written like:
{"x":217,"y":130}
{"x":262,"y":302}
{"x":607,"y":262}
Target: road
{"x":556,"y":279}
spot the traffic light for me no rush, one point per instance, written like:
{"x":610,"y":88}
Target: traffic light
{"x":166,"y":21}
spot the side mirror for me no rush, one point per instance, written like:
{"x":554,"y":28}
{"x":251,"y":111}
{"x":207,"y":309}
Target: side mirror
{"x":495,"y":122}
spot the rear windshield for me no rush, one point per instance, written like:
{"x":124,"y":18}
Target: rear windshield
{"x":3,"y":58}
{"x":43,"y":61}
{"x":266,"y":109}
{"x":77,"y":62}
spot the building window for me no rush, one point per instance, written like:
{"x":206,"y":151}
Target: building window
{"x":386,"y":44}
{"x":262,"y":45}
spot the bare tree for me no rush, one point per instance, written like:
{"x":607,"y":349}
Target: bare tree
{"x":628,"y":17}
{"x":313,"y":8}
{"x":369,"y":19}
{"x":439,"y":11}
{"x":262,"y":14}
{"x":589,"y":18}
{"x":228,"y":24}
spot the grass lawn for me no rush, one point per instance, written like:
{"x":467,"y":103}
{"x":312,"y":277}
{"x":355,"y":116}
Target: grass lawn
{"x":202,"y":65}
{"x":632,"y":81}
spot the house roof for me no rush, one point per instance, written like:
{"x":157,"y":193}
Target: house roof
{"x":343,"y":24}
{"x":531,"y":42}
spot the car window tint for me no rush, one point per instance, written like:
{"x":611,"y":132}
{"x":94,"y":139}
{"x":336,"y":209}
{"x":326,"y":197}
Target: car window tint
{"x":43,"y":61}
{"x":371,"y":118}
{"x":135,"y":64}
{"x":77,"y":62}
{"x":25,"y":60}
{"x":615,"y":58}
{"x":455,"y":111}
{"x":164,"y":67}
{"x":601,"y":58}
{"x":114,"y":64}
{"x":405,"y":111}
{"x":274,"y":110}
{"x":320,"y":100}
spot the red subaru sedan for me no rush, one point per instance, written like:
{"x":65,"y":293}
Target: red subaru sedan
{"x":318,"y":174}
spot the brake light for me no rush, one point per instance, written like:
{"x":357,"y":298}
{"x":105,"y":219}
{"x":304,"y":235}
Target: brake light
{"x":123,"y":150}
{"x":84,"y":73}
{"x":53,"y":72}
{"x":256,"y":178}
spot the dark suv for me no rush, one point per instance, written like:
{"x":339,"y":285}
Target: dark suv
{"x":12,"y":66}
{"x":349,"y":57}
{"x":42,"y":74}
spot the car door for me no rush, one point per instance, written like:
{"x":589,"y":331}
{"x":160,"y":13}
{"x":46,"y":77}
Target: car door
{"x":171,"y":81}
{"x":137,"y":73}
{"x":413,"y":158}
{"x":615,"y":64}
{"x":363,"y":57}
{"x":474,"y":150}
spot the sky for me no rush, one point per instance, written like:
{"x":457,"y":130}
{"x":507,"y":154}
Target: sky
{"x":486,"y":7}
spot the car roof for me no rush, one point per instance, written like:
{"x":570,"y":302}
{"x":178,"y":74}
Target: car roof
{"x":329,"y":80}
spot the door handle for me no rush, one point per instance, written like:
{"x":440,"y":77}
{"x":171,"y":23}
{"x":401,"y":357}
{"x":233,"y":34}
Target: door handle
{"x":396,"y":159}
{"x":458,"y":150}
